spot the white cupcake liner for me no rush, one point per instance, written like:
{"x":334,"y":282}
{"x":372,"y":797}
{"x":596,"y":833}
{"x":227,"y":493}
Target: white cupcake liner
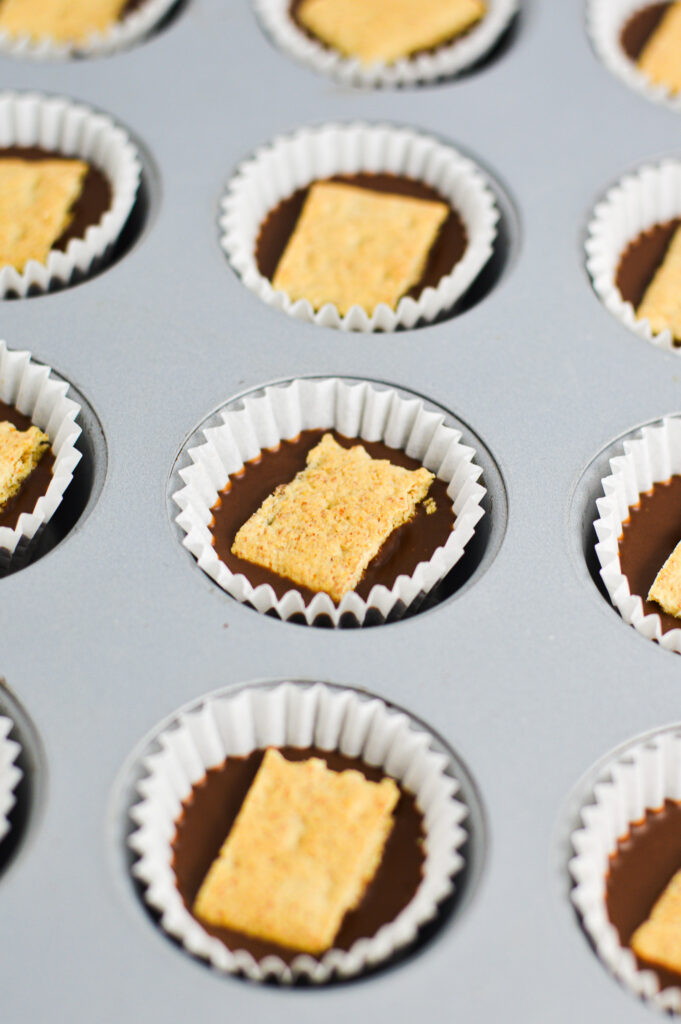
{"x":444,"y":62}
{"x":651,"y":195}
{"x":355,"y":410}
{"x":302,"y":715}
{"x":294,"y":161}
{"x":605,"y":20}
{"x":31,"y":389}
{"x":638,"y":779}
{"x":122,"y":34}
{"x":10,"y":774}
{"x":652,"y":457}
{"x":70,"y":129}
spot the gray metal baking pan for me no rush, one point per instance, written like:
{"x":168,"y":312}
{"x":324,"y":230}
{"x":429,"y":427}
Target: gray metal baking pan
{"x":527,"y":673}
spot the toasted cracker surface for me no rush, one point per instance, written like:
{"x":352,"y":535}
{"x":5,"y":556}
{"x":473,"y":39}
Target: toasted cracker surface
{"x":36,"y":197}
{"x":666,"y":590}
{"x":20,"y":453}
{"x":660,"y":58}
{"x":322,"y":528}
{"x":384,"y":30}
{"x":352,"y":246}
{"x":658,"y":940}
{"x":64,"y":20}
{"x":305,"y":845}
{"x":661,"y":303}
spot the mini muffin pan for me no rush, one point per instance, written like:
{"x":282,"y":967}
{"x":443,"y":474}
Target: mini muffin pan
{"x":525,"y":669}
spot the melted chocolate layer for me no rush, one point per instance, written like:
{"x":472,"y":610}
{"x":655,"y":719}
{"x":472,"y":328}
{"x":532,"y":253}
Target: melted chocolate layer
{"x":92,"y":203}
{"x":294,"y":8}
{"x":447,"y":250}
{"x":37,"y":483}
{"x":410,"y":544}
{"x":648,"y":538}
{"x":209,"y":813}
{"x":639,"y":871}
{"x":640,"y":27}
{"x":641,"y":259}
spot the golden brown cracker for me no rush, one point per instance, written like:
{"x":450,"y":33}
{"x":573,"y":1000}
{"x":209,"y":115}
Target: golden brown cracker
{"x":67,"y":21}
{"x":661,"y":303}
{"x":36,"y":197}
{"x":304,"y":846}
{"x":658,"y":940}
{"x":352,"y":246}
{"x":384,"y":30}
{"x":20,"y":453}
{"x":660,"y":58}
{"x":322,"y":528}
{"x":666,"y":590}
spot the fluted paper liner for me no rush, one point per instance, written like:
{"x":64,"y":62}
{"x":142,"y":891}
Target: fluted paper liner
{"x":70,"y":129}
{"x":294,"y":161}
{"x":10,"y":774}
{"x":129,"y":30}
{"x":652,"y":457}
{"x":649,"y":196}
{"x":637,"y":780}
{"x":301,"y":715}
{"x":441,"y":62}
{"x":31,"y":388}
{"x":605,"y":21}
{"x":355,"y":410}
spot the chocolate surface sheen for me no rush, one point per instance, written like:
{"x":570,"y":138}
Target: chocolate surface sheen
{"x":92,"y":203}
{"x":641,"y":259}
{"x":640,"y":870}
{"x":648,"y":538}
{"x":35,"y":485}
{"x":209,"y":813}
{"x":447,"y":250}
{"x":640,"y":27}
{"x":411,"y":543}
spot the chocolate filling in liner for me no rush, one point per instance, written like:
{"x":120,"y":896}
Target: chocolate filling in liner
{"x":640,"y":870}
{"x":90,"y":206}
{"x":411,"y":543}
{"x":208,"y":815}
{"x":447,"y":250}
{"x":641,"y":259}
{"x":649,"y":536}
{"x":640,"y":27}
{"x":35,"y":485}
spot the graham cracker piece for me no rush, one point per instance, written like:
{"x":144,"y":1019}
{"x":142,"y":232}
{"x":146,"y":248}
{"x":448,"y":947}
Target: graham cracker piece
{"x":67,"y":21}
{"x":658,"y":940}
{"x":20,"y":453}
{"x":660,"y":58}
{"x":352,"y":246}
{"x":384,"y":30}
{"x":666,"y":590}
{"x":305,"y":845}
{"x":36,"y":197}
{"x":661,"y":303}
{"x":322,"y":528}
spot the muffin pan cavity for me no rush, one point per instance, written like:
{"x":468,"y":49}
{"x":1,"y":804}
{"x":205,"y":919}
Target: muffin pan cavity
{"x":22,"y":763}
{"x":310,"y":716}
{"x":82,"y":493}
{"x":260,"y":419}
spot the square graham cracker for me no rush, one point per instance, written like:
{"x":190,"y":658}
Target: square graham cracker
{"x":66,"y":21}
{"x":322,"y":528}
{"x":36,"y":197}
{"x":20,"y":453}
{"x":352,"y":246}
{"x":660,"y":58}
{"x":305,"y":845}
{"x":666,"y":590}
{"x":384,"y":30}
{"x":661,"y":303}
{"x":658,"y":940}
